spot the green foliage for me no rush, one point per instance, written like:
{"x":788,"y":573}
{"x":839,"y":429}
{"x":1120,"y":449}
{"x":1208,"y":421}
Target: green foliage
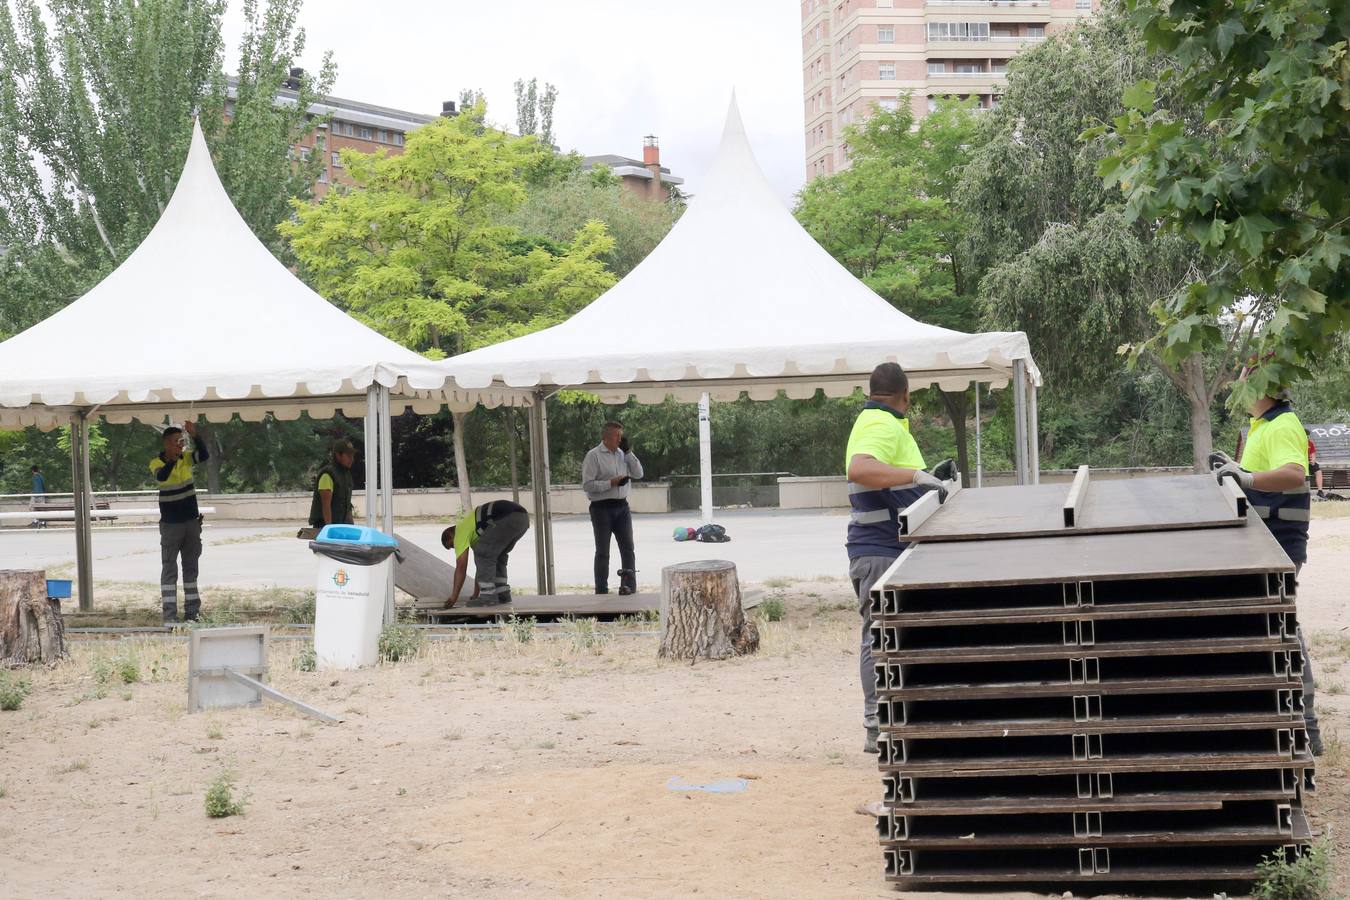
{"x":419,"y":251}
{"x":1308,"y":877}
{"x":399,"y":642}
{"x":534,"y":109}
{"x":586,"y":636}
{"x":301,"y":613}
{"x":520,"y":629}
{"x":772,"y":609}
{"x":96,"y":107}
{"x":1259,"y":184}
{"x":221,"y":802}
{"x":13,"y":690}
{"x":121,"y":667}
{"x":305,"y":660}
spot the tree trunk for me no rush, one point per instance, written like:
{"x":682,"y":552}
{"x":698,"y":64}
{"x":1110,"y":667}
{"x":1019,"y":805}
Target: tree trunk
{"x":1198,"y":399}
{"x":461,"y":465}
{"x":958,"y":408}
{"x":701,"y":613}
{"x":31,"y":630}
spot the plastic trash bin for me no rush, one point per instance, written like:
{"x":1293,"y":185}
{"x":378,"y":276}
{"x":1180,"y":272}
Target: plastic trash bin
{"x":349,"y":594}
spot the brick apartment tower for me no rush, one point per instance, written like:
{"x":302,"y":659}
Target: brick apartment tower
{"x":860,"y":55}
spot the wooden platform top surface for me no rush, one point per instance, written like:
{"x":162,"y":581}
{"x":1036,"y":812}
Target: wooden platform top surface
{"x":1091,"y":557}
{"x":555,"y":605}
{"x":1109,"y":505}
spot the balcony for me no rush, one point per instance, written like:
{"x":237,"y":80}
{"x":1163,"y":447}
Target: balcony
{"x":990,"y":3}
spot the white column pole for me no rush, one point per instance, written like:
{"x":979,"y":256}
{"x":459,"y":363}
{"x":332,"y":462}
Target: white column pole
{"x":540,"y":495}
{"x":372,"y":449}
{"x":979,"y":446}
{"x":1033,"y":438}
{"x":83,"y":497}
{"x":1019,"y":389}
{"x":546,"y":520}
{"x":705,"y":470}
{"x":387,"y":493}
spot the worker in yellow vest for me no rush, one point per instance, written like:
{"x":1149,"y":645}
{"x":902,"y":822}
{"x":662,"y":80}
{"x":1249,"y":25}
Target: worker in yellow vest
{"x":180,"y":522}
{"x":1273,"y":473}
{"x":885,"y":475}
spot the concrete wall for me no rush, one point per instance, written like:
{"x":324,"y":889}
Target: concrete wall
{"x":423,"y":503}
{"x":831,"y":491}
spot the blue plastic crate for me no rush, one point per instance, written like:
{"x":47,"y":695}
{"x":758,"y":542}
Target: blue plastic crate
{"x":58,"y":588}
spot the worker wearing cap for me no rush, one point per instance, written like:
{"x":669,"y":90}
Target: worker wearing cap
{"x":1274,"y":475}
{"x":180,"y":522}
{"x":491,"y":531}
{"x":885,"y":475}
{"x":332,"y":500}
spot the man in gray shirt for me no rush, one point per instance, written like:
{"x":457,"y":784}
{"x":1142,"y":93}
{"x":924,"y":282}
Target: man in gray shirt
{"x":605,"y":474}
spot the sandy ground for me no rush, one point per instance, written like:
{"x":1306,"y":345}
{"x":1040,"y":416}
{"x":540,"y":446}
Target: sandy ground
{"x":499,"y":768}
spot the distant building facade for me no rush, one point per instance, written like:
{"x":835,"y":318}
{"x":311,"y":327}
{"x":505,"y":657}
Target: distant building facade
{"x":646,"y":178}
{"x":863,"y":55}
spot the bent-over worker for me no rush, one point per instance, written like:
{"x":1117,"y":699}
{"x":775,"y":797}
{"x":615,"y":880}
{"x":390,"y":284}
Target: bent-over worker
{"x":885,"y":475}
{"x":332,"y":500}
{"x":1273,"y":474}
{"x":605,"y":475}
{"x":180,"y":522}
{"x":491,"y":530}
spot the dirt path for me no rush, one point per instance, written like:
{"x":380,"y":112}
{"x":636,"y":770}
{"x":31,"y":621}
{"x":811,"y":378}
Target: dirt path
{"x":497,"y":769}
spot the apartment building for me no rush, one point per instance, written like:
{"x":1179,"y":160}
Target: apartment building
{"x":354,"y":124}
{"x":646,"y":177}
{"x":863,"y":55}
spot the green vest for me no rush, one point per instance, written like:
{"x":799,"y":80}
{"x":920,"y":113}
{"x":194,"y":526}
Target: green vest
{"x":342,"y":496}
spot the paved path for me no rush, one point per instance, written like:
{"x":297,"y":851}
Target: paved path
{"x":765,"y":544}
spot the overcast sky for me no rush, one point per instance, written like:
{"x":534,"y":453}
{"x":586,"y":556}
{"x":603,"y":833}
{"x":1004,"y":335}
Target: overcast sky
{"x":623,"y":69}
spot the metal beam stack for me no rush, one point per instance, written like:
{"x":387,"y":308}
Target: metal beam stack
{"x":1085,"y":703}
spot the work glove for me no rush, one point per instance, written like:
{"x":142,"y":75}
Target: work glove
{"x":1223,"y":466}
{"x":623,"y":443}
{"x":929,"y":482}
{"x":945,"y":470}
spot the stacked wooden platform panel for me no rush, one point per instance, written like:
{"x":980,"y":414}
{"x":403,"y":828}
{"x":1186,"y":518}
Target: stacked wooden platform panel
{"x":1114,"y":707}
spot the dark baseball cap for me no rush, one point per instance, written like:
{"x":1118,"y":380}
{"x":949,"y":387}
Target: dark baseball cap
{"x":343,"y":446}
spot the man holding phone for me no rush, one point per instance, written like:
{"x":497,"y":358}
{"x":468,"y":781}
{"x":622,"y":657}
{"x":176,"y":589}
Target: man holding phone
{"x":606,"y":473}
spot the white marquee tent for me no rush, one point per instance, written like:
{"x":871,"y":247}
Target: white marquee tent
{"x":202,"y":319}
{"x":738,"y":298}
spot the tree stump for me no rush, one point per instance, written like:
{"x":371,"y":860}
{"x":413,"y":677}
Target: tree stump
{"x":31,"y":630}
{"x":701,"y":615}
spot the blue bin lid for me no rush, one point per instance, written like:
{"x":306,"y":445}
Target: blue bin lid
{"x":355,"y":534}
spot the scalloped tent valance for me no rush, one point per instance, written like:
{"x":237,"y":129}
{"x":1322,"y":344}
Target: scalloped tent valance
{"x":202,"y":317}
{"x":737,"y":298}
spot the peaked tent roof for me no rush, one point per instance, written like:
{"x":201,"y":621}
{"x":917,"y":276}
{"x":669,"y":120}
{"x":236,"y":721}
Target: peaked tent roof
{"x":737,"y":297}
{"x":200,"y":316}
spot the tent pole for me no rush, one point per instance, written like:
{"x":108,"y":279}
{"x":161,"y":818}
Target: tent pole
{"x":540,"y":500}
{"x":979,"y":446}
{"x":1033,"y":438}
{"x":372,"y":427}
{"x":546,"y":520}
{"x":705,"y":458}
{"x":512,"y":445}
{"x":387,"y":493}
{"x":79,"y":476}
{"x":1019,"y":388}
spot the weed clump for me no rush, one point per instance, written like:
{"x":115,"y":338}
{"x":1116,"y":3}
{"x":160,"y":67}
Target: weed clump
{"x":586,"y":636}
{"x":306,"y":660}
{"x":772,"y":609}
{"x":221,"y":802}
{"x":521,"y":630}
{"x":122,"y":667}
{"x":399,"y":642}
{"x":12,"y":691}
{"x":1307,"y":877}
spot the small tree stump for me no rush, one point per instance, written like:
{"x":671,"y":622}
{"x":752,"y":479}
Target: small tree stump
{"x":31,"y":630}
{"x":701,"y":613}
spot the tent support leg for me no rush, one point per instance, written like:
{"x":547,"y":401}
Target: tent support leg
{"x":979,"y":446}
{"x":387,"y":493}
{"x":546,"y":522}
{"x":705,"y":459}
{"x":1019,"y":388}
{"x":540,"y":498}
{"x":372,"y":445}
{"x":1033,"y":438}
{"x":83,"y":498}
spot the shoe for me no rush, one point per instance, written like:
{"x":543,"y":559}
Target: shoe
{"x":626,"y":591}
{"x":870,"y":745}
{"x":1315,"y":744}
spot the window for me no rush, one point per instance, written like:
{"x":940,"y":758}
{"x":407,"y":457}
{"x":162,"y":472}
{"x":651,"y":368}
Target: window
{"x":937,"y":68}
{"x":932,"y":104}
{"x":398,"y":138}
{"x":337,"y":159}
{"x":1082,"y":4}
{"x":1036,"y":31}
{"x":346,"y":128}
{"x":998,"y":65}
{"x":969,"y":68}
{"x":382,"y":136}
{"x":886,"y":71}
{"x":323,"y":176}
{"x":958,"y":31}
{"x":888,"y":105}
{"x":304,"y":153}
{"x":886,"y":34}
{"x":366,"y":132}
